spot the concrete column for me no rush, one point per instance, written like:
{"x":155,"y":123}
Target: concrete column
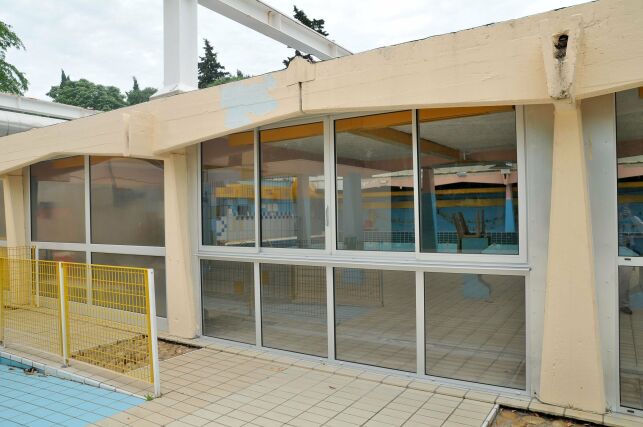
{"x":14,"y":206}
{"x":19,"y":271}
{"x":180,"y":47}
{"x":571,"y":371}
{"x":181,"y":285}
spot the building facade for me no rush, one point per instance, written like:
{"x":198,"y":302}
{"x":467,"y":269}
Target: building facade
{"x":466,"y":208}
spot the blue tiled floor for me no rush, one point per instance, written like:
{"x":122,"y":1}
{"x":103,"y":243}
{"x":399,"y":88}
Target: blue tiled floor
{"x":37,"y":400}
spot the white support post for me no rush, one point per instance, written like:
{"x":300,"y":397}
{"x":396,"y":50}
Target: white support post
{"x":330,"y":311}
{"x":63,"y":313}
{"x":151,"y":295}
{"x":257,"y":284}
{"x":419,"y":323}
{"x":180,"y":47}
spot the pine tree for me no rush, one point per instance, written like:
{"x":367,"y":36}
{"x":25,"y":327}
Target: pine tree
{"x":314,"y":24}
{"x":136,"y":95}
{"x":64,"y":78}
{"x":210,"y":69}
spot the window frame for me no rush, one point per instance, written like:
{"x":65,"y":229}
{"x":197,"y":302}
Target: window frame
{"x":88,"y":247}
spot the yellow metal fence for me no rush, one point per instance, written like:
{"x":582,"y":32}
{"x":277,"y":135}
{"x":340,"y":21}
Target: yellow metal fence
{"x":97,"y":314}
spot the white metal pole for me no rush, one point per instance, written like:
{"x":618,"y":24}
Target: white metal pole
{"x":153,"y":333}
{"x":420,"y":323}
{"x":63,"y":313}
{"x":37,"y":277}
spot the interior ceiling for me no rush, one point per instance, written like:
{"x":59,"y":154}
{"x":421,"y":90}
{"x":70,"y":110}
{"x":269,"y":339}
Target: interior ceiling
{"x":629,"y":115}
{"x":473,"y":134}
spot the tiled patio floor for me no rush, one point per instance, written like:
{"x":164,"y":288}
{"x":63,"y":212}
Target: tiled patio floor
{"x":219,"y":388}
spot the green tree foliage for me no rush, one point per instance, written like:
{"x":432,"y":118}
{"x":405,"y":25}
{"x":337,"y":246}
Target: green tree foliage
{"x":11,"y":79}
{"x":238,"y":76}
{"x":210,"y":69}
{"x":83,"y":93}
{"x":138,"y":95}
{"x":314,"y":24}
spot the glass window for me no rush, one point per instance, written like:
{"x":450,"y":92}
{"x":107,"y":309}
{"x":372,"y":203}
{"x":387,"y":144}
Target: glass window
{"x":3,"y":222}
{"x":228,"y":190}
{"x":293,"y":308}
{"x":375,"y":317}
{"x":127,"y":201}
{"x":140,"y":261}
{"x":629,"y":150}
{"x":292,"y":187}
{"x":228,"y":300}
{"x":468,"y":180}
{"x":58,"y":201}
{"x":630,"y":281}
{"x":61,"y":255}
{"x":475,"y":328}
{"x":374,"y":158}
{"x":77,"y":287}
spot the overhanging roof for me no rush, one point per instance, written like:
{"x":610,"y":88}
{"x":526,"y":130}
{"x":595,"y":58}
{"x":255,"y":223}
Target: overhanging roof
{"x":508,"y":63}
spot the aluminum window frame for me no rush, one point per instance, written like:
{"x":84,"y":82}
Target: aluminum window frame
{"x":88,"y":247}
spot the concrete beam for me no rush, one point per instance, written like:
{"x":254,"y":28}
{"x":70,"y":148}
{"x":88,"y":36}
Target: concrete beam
{"x":278,"y":26}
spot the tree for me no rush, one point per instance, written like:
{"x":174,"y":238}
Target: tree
{"x":210,"y":69}
{"x":238,"y":76}
{"x":64,"y":78}
{"x":83,"y":93}
{"x":11,"y":79}
{"x":314,"y":24}
{"x":136,"y":95}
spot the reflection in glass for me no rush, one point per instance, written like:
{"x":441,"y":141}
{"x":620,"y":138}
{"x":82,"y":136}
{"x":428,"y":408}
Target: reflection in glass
{"x":228,"y":190}
{"x":374,"y":158}
{"x":292,"y":187}
{"x":61,"y":255}
{"x":375,"y":317}
{"x":630,"y":282}
{"x":127,"y":201}
{"x":58,"y":201}
{"x":475,"y":328}
{"x":293,"y":308}
{"x":3,"y":222}
{"x":468,"y":180}
{"x":629,"y":150}
{"x":228,"y":300}
{"x":141,"y":261}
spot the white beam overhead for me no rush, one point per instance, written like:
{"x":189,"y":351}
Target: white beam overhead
{"x":269,"y":21}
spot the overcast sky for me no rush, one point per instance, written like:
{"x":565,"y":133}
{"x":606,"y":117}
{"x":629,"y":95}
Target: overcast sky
{"x":109,"y":41}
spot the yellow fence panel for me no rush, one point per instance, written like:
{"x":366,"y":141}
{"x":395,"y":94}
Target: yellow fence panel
{"x":108,"y":318}
{"x":30,"y":318}
{"x":97,"y":314}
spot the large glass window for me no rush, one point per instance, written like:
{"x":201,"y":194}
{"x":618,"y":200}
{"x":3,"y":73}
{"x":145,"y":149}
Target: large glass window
{"x":375,"y":317}
{"x":228,"y":190}
{"x":630,"y":282}
{"x":58,"y":201}
{"x":228,"y":300}
{"x":468,"y":180}
{"x":374,"y":157}
{"x":475,"y":328}
{"x":293,"y":308}
{"x":140,"y":261}
{"x":629,"y":150}
{"x":292,"y":187}
{"x":3,"y":222}
{"x":127,"y":201}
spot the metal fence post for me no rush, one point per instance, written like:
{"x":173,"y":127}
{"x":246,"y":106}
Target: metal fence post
{"x":37,"y":274}
{"x":153,"y":335}
{"x":63,"y":312}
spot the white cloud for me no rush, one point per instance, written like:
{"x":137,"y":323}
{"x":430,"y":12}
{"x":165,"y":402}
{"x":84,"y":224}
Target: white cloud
{"x":108,"y":42}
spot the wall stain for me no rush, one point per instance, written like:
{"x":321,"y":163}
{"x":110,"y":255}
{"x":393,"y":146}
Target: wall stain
{"x":243,"y":101}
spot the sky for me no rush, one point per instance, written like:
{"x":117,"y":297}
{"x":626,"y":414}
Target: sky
{"x":109,"y":41}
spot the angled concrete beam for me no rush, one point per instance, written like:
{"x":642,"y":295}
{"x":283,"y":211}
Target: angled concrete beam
{"x":276,"y":25}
